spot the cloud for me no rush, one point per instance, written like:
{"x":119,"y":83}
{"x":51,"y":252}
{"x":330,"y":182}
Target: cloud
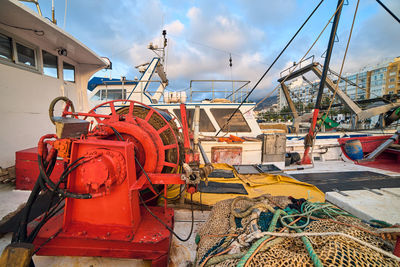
{"x":193,"y":13}
{"x":375,"y":38}
{"x":202,"y":35}
{"x":268,"y":13}
{"x":175,"y":28}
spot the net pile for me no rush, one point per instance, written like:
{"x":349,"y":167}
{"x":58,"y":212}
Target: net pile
{"x":233,"y":233}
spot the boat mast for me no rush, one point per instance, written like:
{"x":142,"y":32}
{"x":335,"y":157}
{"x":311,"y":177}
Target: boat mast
{"x":310,"y":136}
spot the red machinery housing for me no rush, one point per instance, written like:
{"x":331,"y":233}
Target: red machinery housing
{"x":130,"y":149}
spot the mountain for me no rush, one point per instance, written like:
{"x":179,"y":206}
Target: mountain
{"x":267,"y":102}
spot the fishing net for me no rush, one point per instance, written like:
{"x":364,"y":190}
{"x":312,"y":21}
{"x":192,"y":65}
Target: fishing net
{"x":224,"y":230}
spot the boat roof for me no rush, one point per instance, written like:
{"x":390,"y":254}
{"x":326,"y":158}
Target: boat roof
{"x":18,"y":15}
{"x":95,"y":81}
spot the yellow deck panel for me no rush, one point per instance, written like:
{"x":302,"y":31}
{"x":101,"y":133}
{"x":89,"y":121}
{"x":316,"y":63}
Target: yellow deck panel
{"x":256,"y":185}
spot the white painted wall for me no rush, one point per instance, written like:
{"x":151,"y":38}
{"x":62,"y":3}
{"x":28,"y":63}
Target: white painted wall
{"x":25,"y":97}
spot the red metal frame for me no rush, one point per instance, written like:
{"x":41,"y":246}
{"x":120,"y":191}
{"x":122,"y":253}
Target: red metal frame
{"x":115,"y":117}
{"x":151,"y":241}
{"x":185,"y":127}
{"x":306,"y":157}
{"x":113,"y":223}
{"x":109,"y":225}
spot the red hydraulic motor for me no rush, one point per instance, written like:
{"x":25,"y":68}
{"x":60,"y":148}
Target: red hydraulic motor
{"x":116,"y":165}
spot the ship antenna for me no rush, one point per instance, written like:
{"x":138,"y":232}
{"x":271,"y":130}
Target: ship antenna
{"x":230,"y":65}
{"x":164,"y":33}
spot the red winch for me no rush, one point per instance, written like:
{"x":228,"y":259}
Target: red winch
{"x":114,"y":172}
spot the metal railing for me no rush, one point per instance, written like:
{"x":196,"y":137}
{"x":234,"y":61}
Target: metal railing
{"x":308,"y":60}
{"x":123,"y":85}
{"x":199,"y":90}
{"x":233,"y":90}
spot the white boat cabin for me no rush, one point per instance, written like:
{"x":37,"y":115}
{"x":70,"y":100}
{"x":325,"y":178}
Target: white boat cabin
{"x":38,"y":62}
{"x":223,"y":98}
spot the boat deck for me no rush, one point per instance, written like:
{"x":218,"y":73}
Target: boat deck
{"x":341,"y":176}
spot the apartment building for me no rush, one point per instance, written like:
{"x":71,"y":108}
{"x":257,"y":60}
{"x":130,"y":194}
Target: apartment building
{"x":371,"y":81}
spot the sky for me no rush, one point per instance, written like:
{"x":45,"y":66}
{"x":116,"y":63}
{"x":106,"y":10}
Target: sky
{"x":202,"y":35}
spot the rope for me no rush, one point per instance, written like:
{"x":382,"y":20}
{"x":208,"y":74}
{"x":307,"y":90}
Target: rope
{"x":389,"y":11}
{"x":269,"y":68}
{"x":268,"y":239}
{"x":252,"y":251}
{"x":308,"y":209}
{"x":259,"y":243}
{"x":382,"y":234}
{"x":218,"y":259}
{"x":297,"y":64}
{"x":37,"y":32}
{"x":341,"y":68}
{"x":243,"y":214}
{"x":304,"y":234}
{"x":209,"y":254}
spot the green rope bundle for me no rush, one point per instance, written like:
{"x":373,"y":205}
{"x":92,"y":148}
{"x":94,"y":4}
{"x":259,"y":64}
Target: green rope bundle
{"x":316,"y":209}
{"x":314,"y":257}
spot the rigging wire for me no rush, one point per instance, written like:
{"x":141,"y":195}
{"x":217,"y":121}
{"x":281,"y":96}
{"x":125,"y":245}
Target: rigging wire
{"x":37,"y":32}
{"x":337,"y":84}
{"x":269,"y":68}
{"x":388,"y":10}
{"x":343,"y":61}
{"x":65,"y":14}
{"x":296,"y":65}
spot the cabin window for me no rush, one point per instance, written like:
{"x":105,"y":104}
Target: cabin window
{"x":236,"y":124}
{"x":18,"y":52}
{"x":205,"y":122}
{"x":5,"y":47}
{"x":49,"y":64}
{"x":68,"y":72}
{"x":97,"y":96}
{"x":25,"y":55}
{"x":115,"y":94}
{"x":109,"y":94}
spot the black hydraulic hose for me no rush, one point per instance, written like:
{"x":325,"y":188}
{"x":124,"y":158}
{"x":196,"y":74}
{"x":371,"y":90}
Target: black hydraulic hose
{"x":55,"y":191}
{"x":165,"y":225}
{"x":147,"y":176}
{"x":71,"y":164}
{"x":119,"y":136}
{"x":49,"y":170}
{"x":50,"y":214}
{"x":21,"y":233}
{"x":51,"y":184}
{"x":269,"y":68}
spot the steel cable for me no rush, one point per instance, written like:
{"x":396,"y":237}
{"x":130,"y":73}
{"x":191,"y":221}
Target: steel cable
{"x":269,"y":68}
